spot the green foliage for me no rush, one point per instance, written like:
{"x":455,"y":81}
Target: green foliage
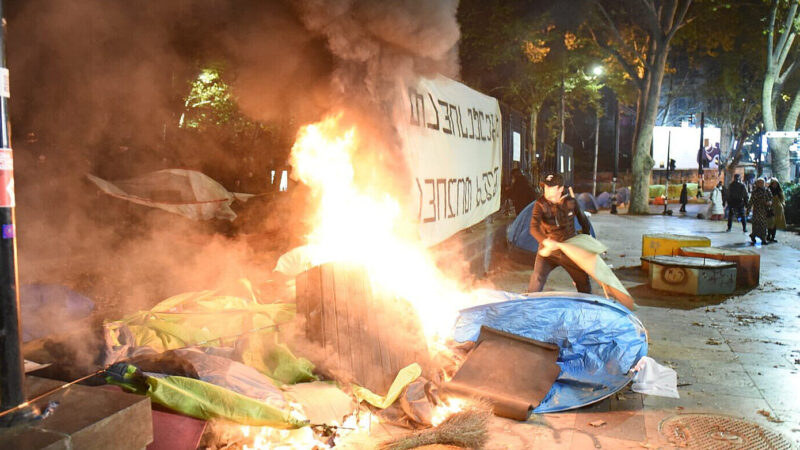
{"x":723,"y":41}
{"x":518,"y":51}
{"x":210,"y":101}
{"x":792,"y":208}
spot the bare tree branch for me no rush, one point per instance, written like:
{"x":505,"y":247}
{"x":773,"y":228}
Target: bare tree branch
{"x":788,"y":35}
{"x":610,"y":24}
{"x":652,"y":17}
{"x":781,"y":79}
{"x":785,"y":51}
{"x":679,"y":19}
{"x":794,"y":112}
{"x":773,"y":13}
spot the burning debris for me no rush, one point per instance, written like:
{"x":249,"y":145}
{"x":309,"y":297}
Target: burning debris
{"x":466,"y":429}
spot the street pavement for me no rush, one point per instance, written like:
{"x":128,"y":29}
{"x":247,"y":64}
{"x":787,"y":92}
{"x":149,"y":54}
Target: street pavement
{"x":735,"y":355}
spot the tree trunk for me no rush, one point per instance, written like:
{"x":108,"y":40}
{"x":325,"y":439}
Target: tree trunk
{"x":779,"y":152}
{"x":642,"y":161}
{"x":767,"y":110}
{"x":534,"y":126}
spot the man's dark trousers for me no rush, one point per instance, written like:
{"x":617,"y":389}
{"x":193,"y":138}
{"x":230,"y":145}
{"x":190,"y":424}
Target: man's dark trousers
{"x":739,"y":211}
{"x":544,"y":265}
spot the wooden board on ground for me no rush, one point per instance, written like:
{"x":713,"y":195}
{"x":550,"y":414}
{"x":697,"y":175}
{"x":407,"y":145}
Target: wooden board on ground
{"x":669,"y":244}
{"x":367,"y":336}
{"x":688,"y":275}
{"x":748,"y":263}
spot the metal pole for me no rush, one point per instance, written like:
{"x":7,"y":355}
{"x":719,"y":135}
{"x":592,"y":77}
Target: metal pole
{"x":701,"y":154}
{"x":666,"y":183}
{"x":596,"y":145}
{"x":12,"y":376}
{"x":616,"y":161}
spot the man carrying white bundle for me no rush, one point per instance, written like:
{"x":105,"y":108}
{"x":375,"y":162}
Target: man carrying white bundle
{"x":552,"y":221}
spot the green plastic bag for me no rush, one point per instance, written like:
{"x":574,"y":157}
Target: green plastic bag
{"x":404,"y":377}
{"x":263,"y":352}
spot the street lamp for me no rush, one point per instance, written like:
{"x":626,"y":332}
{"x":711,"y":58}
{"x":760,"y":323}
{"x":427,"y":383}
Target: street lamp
{"x":597,"y":70}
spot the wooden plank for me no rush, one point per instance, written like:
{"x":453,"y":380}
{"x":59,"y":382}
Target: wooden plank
{"x":343,"y":291}
{"x":372,"y":358}
{"x":330,"y":341}
{"x":373,"y":335}
{"x":386,"y":337}
{"x":301,"y":296}
{"x":314,"y":329}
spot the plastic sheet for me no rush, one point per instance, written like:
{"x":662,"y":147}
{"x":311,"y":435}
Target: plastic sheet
{"x":599,"y":340}
{"x":185,"y":192}
{"x":519,"y":235}
{"x":652,"y":378}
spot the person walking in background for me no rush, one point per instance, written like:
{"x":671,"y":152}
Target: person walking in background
{"x":737,"y":199}
{"x":778,"y":219}
{"x":761,"y":205}
{"x":684,"y":198}
{"x":716,"y":207}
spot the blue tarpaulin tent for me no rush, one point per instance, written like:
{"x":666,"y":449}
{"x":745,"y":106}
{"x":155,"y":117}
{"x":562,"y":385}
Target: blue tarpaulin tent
{"x":518,"y":233}
{"x":599,"y":340}
{"x":587,"y":202}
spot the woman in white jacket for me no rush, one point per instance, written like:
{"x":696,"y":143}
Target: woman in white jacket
{"x":717,"y":208}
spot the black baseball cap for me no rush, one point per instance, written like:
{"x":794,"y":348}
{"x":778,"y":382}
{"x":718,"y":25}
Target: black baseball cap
{"x":553,"y":179}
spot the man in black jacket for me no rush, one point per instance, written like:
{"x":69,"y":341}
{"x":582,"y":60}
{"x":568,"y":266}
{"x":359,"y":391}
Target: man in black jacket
{"x":737,"y":199}
{"x":553,"y":220}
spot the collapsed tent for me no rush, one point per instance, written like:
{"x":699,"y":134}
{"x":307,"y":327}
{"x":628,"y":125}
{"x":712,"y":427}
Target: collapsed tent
{"x":185,"y":192}
{"x":603,"y":200}
{"x":518,"y":234}
{"x":599,"y":340}
{"x":587,"y":202}
{"x":623,"y":196}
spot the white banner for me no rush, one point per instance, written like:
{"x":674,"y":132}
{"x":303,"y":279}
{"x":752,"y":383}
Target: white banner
{"x":782,"y":134}
{"x":453,"y":142}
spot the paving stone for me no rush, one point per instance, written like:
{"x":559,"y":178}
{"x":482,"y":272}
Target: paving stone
{"x":86,"y":418}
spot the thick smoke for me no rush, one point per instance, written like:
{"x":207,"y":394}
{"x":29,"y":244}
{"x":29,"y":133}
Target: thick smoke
{"x":98,"y":87}
{"x":378,"y":49}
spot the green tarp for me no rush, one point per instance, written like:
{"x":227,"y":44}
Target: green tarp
{"x":198,"y":318}
{"x":203,"y":400}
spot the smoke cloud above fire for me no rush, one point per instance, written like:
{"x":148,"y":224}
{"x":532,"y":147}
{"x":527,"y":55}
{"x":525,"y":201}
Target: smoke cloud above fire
{"x":98,"y":87}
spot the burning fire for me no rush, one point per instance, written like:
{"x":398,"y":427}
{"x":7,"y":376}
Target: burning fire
{"x":447,"y":408}
{"x":266,"y":438}
{"x":367,"y":226}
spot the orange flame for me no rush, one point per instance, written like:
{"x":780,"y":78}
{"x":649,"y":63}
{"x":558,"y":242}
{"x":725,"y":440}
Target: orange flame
{"x":446,"y":409}
{"x":367,"y":226}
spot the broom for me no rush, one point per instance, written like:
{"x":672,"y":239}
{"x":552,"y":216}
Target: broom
{"x":467,"y":429}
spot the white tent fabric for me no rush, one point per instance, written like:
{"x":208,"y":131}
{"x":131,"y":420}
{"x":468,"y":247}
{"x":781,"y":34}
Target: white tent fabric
{"x":188,"y":193}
